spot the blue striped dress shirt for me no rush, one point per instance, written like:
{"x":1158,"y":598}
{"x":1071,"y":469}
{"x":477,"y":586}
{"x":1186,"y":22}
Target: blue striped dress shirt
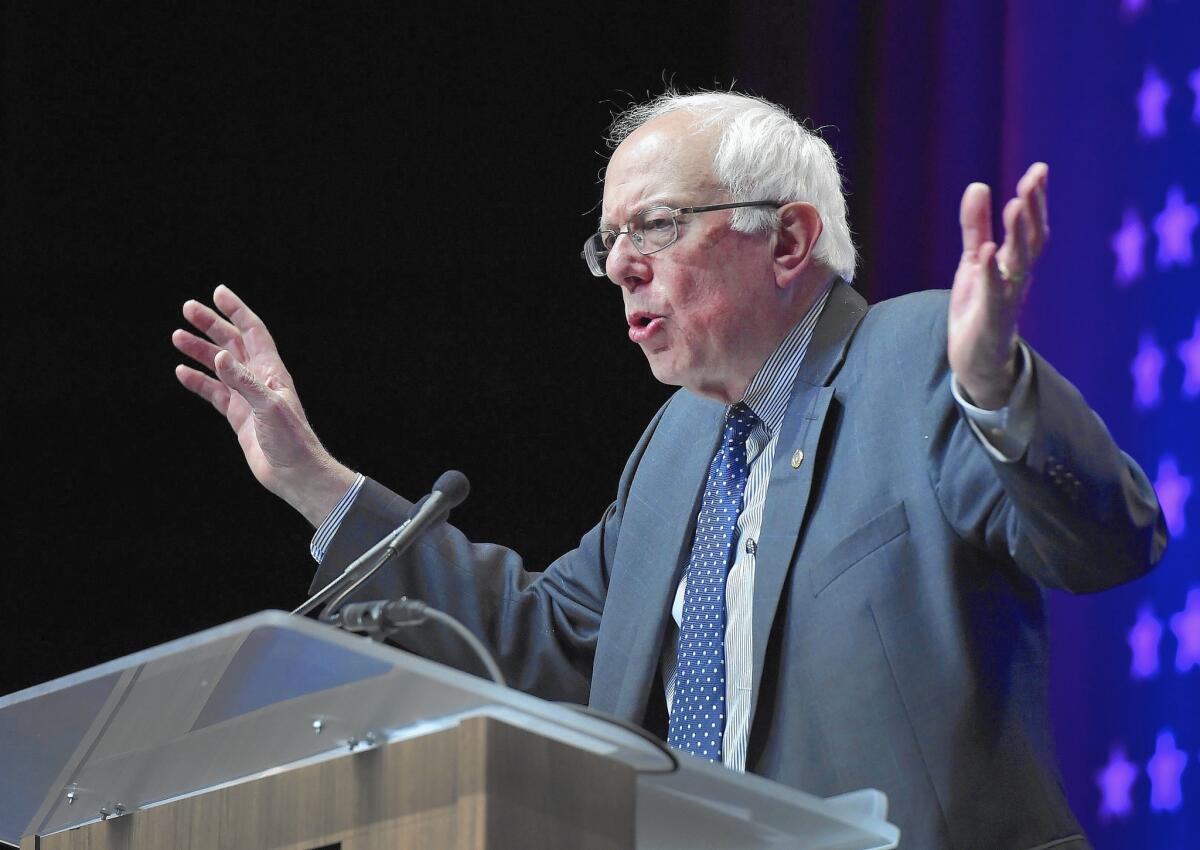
{"x":767,"y":395}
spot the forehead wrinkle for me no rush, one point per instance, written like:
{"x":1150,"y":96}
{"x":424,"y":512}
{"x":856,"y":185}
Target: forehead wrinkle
{"x":683,"y":186}
{"x":661,"y":200}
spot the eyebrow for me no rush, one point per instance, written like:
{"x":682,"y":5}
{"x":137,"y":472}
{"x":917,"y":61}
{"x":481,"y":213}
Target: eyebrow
{"x":662,"y":201}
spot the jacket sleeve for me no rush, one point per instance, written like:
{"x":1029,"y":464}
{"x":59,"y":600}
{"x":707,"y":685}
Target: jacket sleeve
{"x":542,"y":627}
{"x":1073,"y":513}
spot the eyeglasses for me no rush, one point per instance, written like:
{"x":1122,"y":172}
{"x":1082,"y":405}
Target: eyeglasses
{"x":650,"y":231}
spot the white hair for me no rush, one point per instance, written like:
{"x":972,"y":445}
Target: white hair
{"x":762,"y":153}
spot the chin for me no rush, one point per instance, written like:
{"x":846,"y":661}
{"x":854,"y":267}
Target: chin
{"x":664,"y":373}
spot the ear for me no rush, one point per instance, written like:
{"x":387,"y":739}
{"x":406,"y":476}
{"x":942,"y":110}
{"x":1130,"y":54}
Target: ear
{"x":799,"y":228}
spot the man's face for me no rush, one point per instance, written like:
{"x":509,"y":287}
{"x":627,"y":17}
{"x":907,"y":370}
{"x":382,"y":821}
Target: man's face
{"x":694,"y":307}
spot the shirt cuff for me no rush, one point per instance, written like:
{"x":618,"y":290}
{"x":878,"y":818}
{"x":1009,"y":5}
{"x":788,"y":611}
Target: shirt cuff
{"x":333,"y":522}
{"x":1005,"y":433}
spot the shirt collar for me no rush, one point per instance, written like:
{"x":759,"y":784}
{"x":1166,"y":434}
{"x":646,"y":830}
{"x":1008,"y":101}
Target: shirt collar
{"x":768,"y":393}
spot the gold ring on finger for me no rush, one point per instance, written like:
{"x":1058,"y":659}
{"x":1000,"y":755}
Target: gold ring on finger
{"x":1007,"y":274}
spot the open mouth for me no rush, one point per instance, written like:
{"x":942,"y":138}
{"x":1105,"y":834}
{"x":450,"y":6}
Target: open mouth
{"x":642,"y":326}
{"x":641,"y":319}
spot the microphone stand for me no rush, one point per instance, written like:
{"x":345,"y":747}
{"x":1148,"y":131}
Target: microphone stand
{"x":381,"y":619}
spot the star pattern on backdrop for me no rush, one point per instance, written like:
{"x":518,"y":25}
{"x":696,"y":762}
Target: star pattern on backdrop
{"x":1186,"y":626}
{"x":1146,"y":369}
{"x":1165,"y":769}
{"x":1143,"y":641}
{"x":1152,"y":100}
{"x":1154,"y":235}
{"x":1129,"y":243}
{"x":1189,"y":353}
{"x":1173,"y":491}
{"x":1116,"y":785}
{"x":1174,"y":226}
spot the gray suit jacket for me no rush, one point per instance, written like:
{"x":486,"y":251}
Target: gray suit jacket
{"x":899,"y":609}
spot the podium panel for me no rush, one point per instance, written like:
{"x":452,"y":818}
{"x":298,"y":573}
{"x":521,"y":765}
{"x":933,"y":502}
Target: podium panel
{"x":270,"y":696}
{"x":483,"y":785}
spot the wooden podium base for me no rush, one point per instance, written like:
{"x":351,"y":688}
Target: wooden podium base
{"x":483,"y":785}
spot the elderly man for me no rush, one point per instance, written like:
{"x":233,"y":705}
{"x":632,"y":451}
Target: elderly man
{"x":827,"y":555}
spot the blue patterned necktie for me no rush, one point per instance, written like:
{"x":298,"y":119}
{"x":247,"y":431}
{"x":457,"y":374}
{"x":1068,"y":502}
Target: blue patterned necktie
{"x":698,"y":706}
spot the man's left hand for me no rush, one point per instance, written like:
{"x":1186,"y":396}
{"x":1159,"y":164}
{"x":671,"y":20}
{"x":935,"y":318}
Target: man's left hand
{"x":990,"y":286}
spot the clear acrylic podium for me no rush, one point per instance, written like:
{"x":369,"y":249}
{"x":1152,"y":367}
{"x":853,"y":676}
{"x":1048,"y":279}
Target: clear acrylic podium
{"x":253,"y":704}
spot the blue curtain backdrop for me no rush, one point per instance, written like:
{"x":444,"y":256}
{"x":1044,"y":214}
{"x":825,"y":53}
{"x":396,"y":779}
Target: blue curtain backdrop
{"x":925,"y":97}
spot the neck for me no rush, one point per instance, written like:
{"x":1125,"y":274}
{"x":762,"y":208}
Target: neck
{"x":772,"y":331}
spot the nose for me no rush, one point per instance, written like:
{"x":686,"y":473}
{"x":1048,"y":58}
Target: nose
{"x":626,"y":266}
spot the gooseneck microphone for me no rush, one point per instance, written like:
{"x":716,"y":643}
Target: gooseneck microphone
{"x":449,"y":491}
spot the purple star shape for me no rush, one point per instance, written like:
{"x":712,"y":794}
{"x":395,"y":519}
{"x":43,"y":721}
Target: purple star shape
{"x":1164,"y":769}
{"x":1143,"y":643}
{"x":1186,"y":626}
{"x":1116,"y":783}
{"x":1189,"y":353}
{"x":1194,"y":82}
{"x":1174,"y":226}
{"x":1146,"y":369}
{"x":1152,"y":100}
{"x":1173,"y":490}
{"x":1128,"y":244}
{"x":1132,"y":8}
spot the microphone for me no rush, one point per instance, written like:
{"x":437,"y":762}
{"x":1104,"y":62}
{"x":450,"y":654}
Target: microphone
{"x":449,"y":491}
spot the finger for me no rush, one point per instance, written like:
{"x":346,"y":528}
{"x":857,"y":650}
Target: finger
{"x":1032,"y":191}
{"x":209,"y":389}
{"x":1043,"y":208}
{"x":1031,"y":236}
{"x":206,"y":320}
{"x":237,"y":376}
{"x":254,"y":332}
{"x":200,"y":350}
{"x":986,"y":291}
{"x":975,"y":218}
{"x":1022,"y":238}
{"x":979,"y":290}
{"x":994,"y":285}
{"x":1027,"y":181}
{"x":1015,"y":252}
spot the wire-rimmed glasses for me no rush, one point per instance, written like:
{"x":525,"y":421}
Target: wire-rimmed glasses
{"x":650,"y":231}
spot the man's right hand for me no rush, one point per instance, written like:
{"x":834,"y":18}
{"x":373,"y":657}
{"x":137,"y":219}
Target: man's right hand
{"x":257,"y":396}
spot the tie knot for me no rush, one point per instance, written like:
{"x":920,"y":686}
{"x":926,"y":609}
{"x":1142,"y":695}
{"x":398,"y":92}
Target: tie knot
{"x":739,"y":422}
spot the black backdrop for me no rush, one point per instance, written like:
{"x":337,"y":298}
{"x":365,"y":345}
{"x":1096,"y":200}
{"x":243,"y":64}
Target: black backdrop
{"x":401,"y":194}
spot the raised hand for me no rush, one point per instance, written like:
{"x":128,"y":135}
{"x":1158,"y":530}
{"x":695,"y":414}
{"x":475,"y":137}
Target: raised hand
{"x":256,"y":395}
{"x":990,"y":286}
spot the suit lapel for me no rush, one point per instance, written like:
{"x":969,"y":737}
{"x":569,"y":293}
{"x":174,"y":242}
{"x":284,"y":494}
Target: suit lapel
{"x":796,"y":462}
{"x":656,"y":533}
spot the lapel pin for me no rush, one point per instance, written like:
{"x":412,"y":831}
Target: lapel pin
{"x":797,"y":458}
